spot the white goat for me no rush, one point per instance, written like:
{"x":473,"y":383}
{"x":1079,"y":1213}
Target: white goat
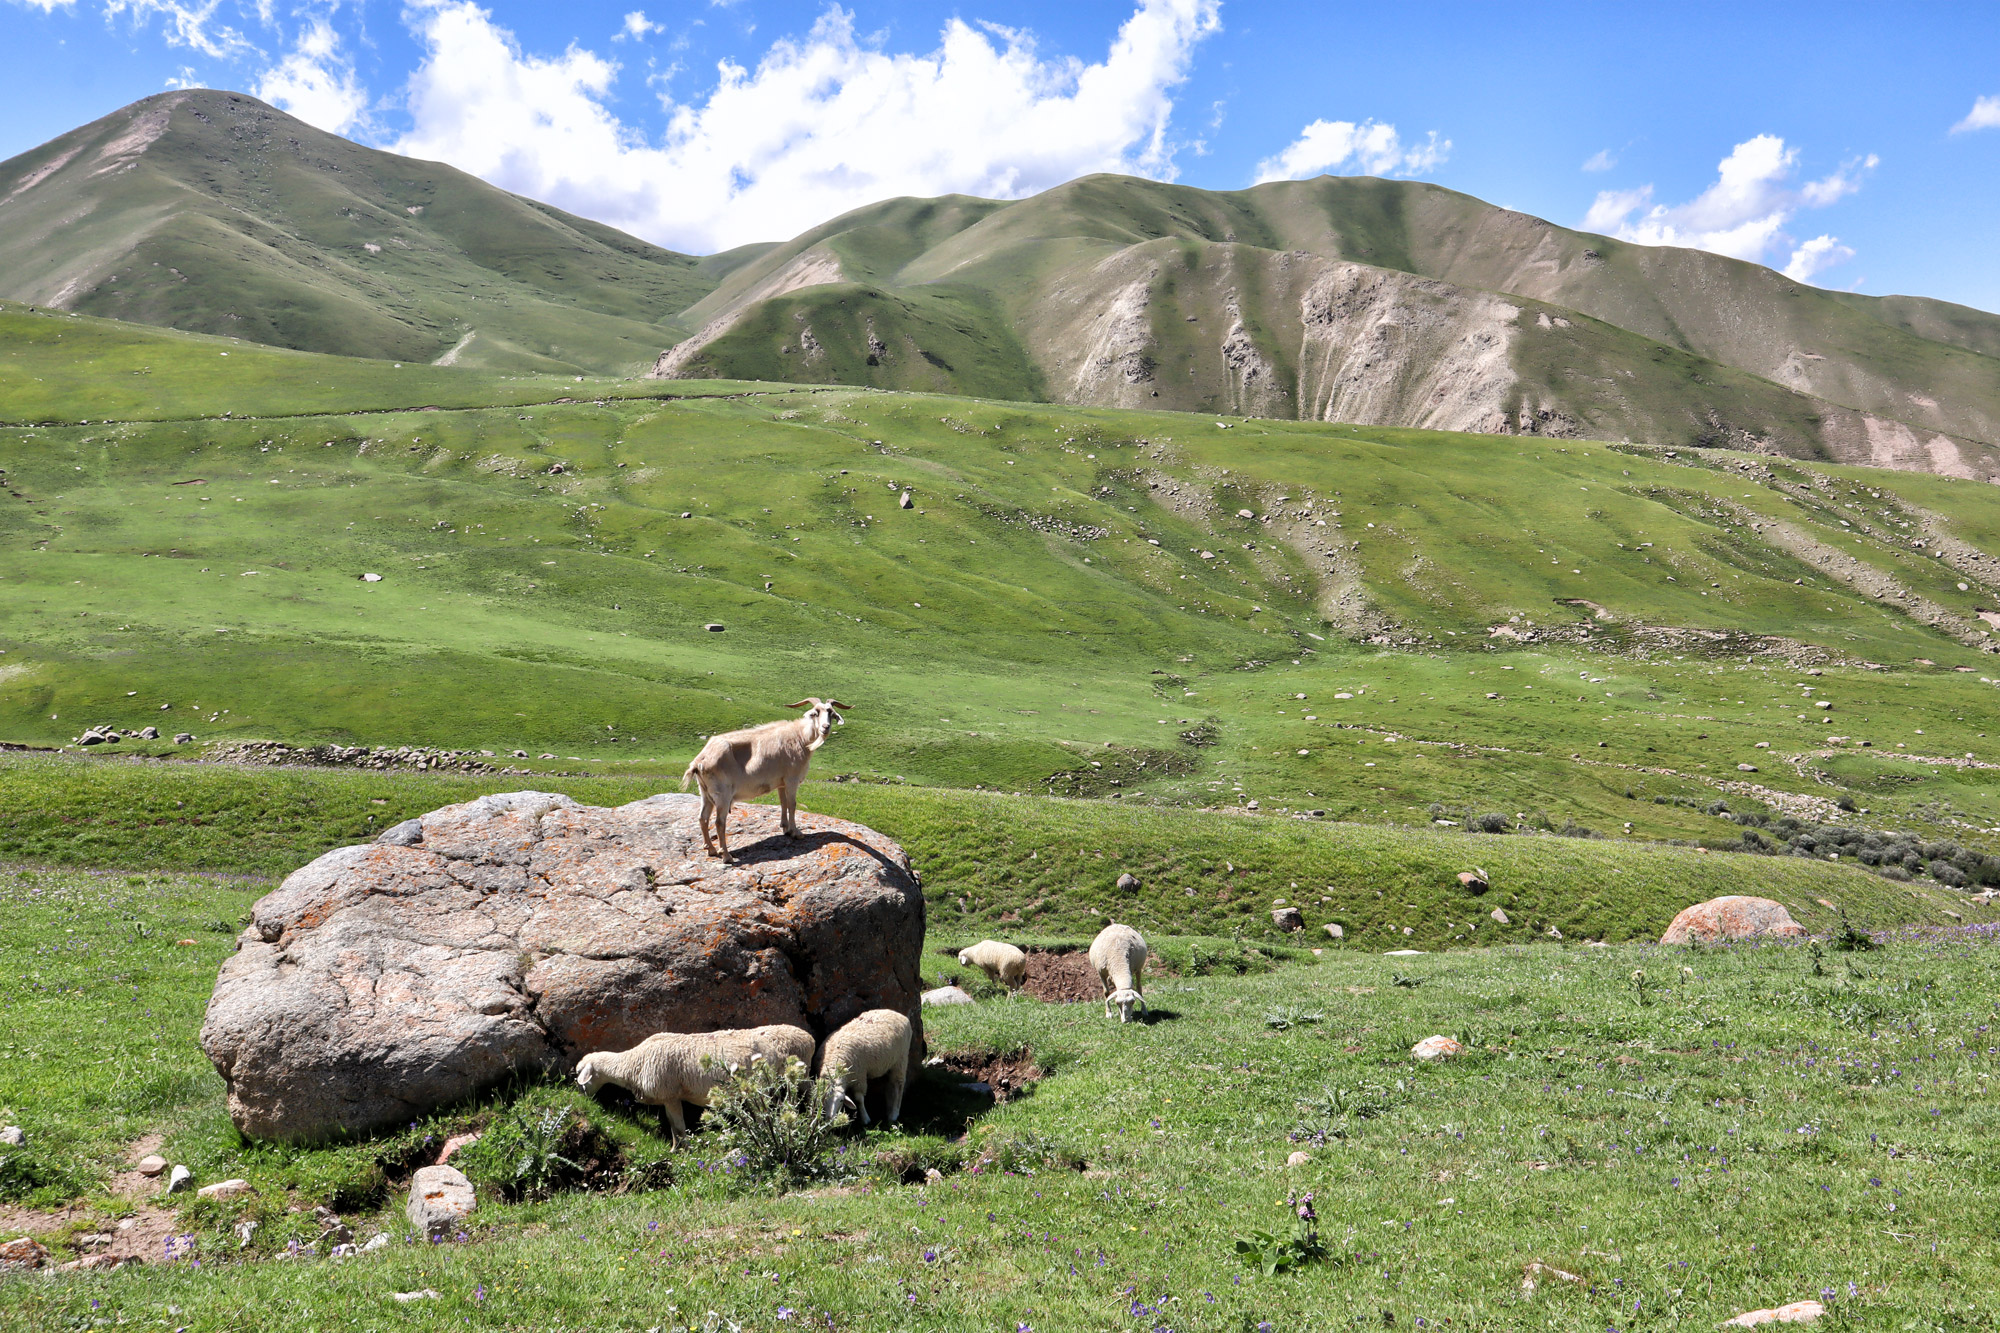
{"x":1119,"y":955}
{"x":743,"y":765}
{"x":1000,"y":962}
{"x":874,"y":1045}
{"x":674,"y":1067}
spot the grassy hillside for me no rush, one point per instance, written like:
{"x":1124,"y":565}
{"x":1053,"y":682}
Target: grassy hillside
{"x":1575,"y":636}
{"x":214,"y":213}
{"x":1374,"y":301}
{"x":1747,"y":1128}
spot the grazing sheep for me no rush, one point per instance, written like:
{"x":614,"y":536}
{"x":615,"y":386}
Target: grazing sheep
{"x":741,"y":765}
{"x":1119,"y":955}
{"x":1000,"y":962}
{"x":674,"y":1067}
{"x":875,"y":1045}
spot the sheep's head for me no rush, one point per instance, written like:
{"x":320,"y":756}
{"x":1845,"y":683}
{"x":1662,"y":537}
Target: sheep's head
{"x":588,"y":1076}
{"x":836,"y":1097}
{"x":1124,"y":997}
{"x":965,"y":958}
{"x":820,"y":717}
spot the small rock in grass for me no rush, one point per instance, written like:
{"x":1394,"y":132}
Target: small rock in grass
{"x":1403,"y":953}
{"x":1746,"y":768}
{"x":1500,"y":917}
{"x":1288,"y":918}
{"x":13,"y":1136}
{"x":180,"y":1181}
{"x":21,"y":1255}
{"x":713,"y":628}
{"x":1128,"y":882}
{"x":225,"y":1189}
{"x":405,"y":1297}
{"x":371,"y":578}
{"x":183,"y":737}
{"x":440,"y":1198}
{"x":945,"y":995}
{"x":1436,"y":1048}
{"x":378,"y":1241}
{"x":1334,"y":931}
{"x":97,"y":1263}
{"x":1798,"y":1312}
{"x":453,"y":1144}
{"x":1536,"y":1273}
{"x":149,"y":733}
{"x":1298,"y":1159}
{"x":906,"y":502}
{"x":1474,"y":880}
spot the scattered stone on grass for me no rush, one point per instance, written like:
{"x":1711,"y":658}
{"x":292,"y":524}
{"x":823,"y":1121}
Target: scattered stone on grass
{"x":1299,"y":1158}
{"x":180,"y":1181}
{"x":149,"y":733}
{"x":525,"y":930}
{"x":1127,"y":882}
{"x":426,"y":1294}
{"x":1288,"y":918}
{"x":1436,"y":1048}
{"x":18,"y":1256}
{"x":440,"y":1198}
{"x":183,"y":738}
{"x":13,"y":1136}
{"x":1732,"y":917}
{"x":945,"y":995}
{"x":1798,"y":1312}
{"x":99,"y":1263}
{"x":1537,"y":1272}
{"x":453,"y":1144}
{"x":225,"y":1189}
{"x":1500,"y":917}
{"x":1334,"y":932}
{"x":1475,"y":880}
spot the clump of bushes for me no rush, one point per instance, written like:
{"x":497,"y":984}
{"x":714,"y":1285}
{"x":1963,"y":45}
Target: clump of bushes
{"x":772,"y":1121}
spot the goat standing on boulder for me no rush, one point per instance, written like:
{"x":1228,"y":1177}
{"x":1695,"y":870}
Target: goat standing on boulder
{"x":743,"y":765}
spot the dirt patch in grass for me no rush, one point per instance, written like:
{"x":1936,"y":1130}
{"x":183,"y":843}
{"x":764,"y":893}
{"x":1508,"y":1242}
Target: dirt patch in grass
{"x":1008,"y":1075}
{"x":1062,"y":978}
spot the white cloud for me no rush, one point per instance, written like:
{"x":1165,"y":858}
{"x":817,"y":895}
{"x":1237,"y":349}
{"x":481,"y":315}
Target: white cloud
{"x":822,"y":125}
{"x":190,"y":25}
{"x":1602,"y":160}
{"x":636,"y":26}
{"x":46,"y":6}
{"x":316,"y":83}
{"x":1743,"y":214}
{"x":1371,"y":148}
{"x":1818,"y":253}
{"x":1985,"y":115}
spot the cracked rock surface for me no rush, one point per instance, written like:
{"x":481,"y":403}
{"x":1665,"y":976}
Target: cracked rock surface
{"x":519,"y":932}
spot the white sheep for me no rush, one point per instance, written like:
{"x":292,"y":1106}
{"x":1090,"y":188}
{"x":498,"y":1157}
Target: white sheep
{"x":1119,"y":955}
{"x":674,"y":1067}
{"x":1000,"y":962}
{"x":874,"y":1045}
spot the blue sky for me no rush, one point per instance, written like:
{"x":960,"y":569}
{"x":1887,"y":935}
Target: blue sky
{"x":1857,"y":146}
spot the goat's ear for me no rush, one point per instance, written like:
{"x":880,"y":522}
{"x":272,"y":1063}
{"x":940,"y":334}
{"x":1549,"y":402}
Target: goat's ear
{"x":803,"y":703}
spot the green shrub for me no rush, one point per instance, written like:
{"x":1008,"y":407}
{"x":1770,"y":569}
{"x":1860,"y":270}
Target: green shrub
{"x":532,"y":1153}
{"x":1491,"y":822}
{"x":772,"y":1120}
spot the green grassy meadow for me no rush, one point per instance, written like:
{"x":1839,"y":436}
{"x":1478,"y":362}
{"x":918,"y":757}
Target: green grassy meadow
{"x":1071,"y":656}
{"x":1750,"y":1127}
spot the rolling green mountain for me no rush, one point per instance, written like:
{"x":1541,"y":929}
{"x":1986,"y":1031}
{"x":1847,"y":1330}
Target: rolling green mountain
{"x":1355,"y":299}
{"x":1337,"y":299}
{"x":215,"y":213}
{"x":1362,"y":621}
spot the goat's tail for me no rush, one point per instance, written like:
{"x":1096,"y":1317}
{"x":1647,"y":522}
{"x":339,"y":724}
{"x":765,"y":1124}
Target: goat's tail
{"x":688,"y":776}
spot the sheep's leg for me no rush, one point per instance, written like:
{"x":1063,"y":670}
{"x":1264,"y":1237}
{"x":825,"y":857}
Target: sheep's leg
{"x":671,"y":1109}
{"x":894,"y":1095}
{"x":861,"y":1102}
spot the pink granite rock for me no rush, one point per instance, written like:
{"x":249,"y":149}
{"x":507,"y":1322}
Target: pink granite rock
{"x":1734,"y":917}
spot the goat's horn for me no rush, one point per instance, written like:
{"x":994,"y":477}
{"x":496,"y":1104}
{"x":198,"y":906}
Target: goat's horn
{"x":803,"y":703}
{"x":838,"y":704}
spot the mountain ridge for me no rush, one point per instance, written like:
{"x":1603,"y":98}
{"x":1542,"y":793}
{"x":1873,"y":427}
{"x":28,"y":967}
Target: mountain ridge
{"x":1355,"y":299}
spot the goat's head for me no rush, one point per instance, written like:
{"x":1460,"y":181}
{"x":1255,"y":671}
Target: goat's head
{"x":821,"y":717}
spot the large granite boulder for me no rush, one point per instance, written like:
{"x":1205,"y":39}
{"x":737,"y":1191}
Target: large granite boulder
{"x":1734,"y":917}
{"x":518,"y":932}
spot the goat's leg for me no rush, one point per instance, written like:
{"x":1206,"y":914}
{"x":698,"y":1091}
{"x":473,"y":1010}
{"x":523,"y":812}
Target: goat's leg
{"x":788,"y":798}
{"x":722,"y":830}
{"x":707,"y":813}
